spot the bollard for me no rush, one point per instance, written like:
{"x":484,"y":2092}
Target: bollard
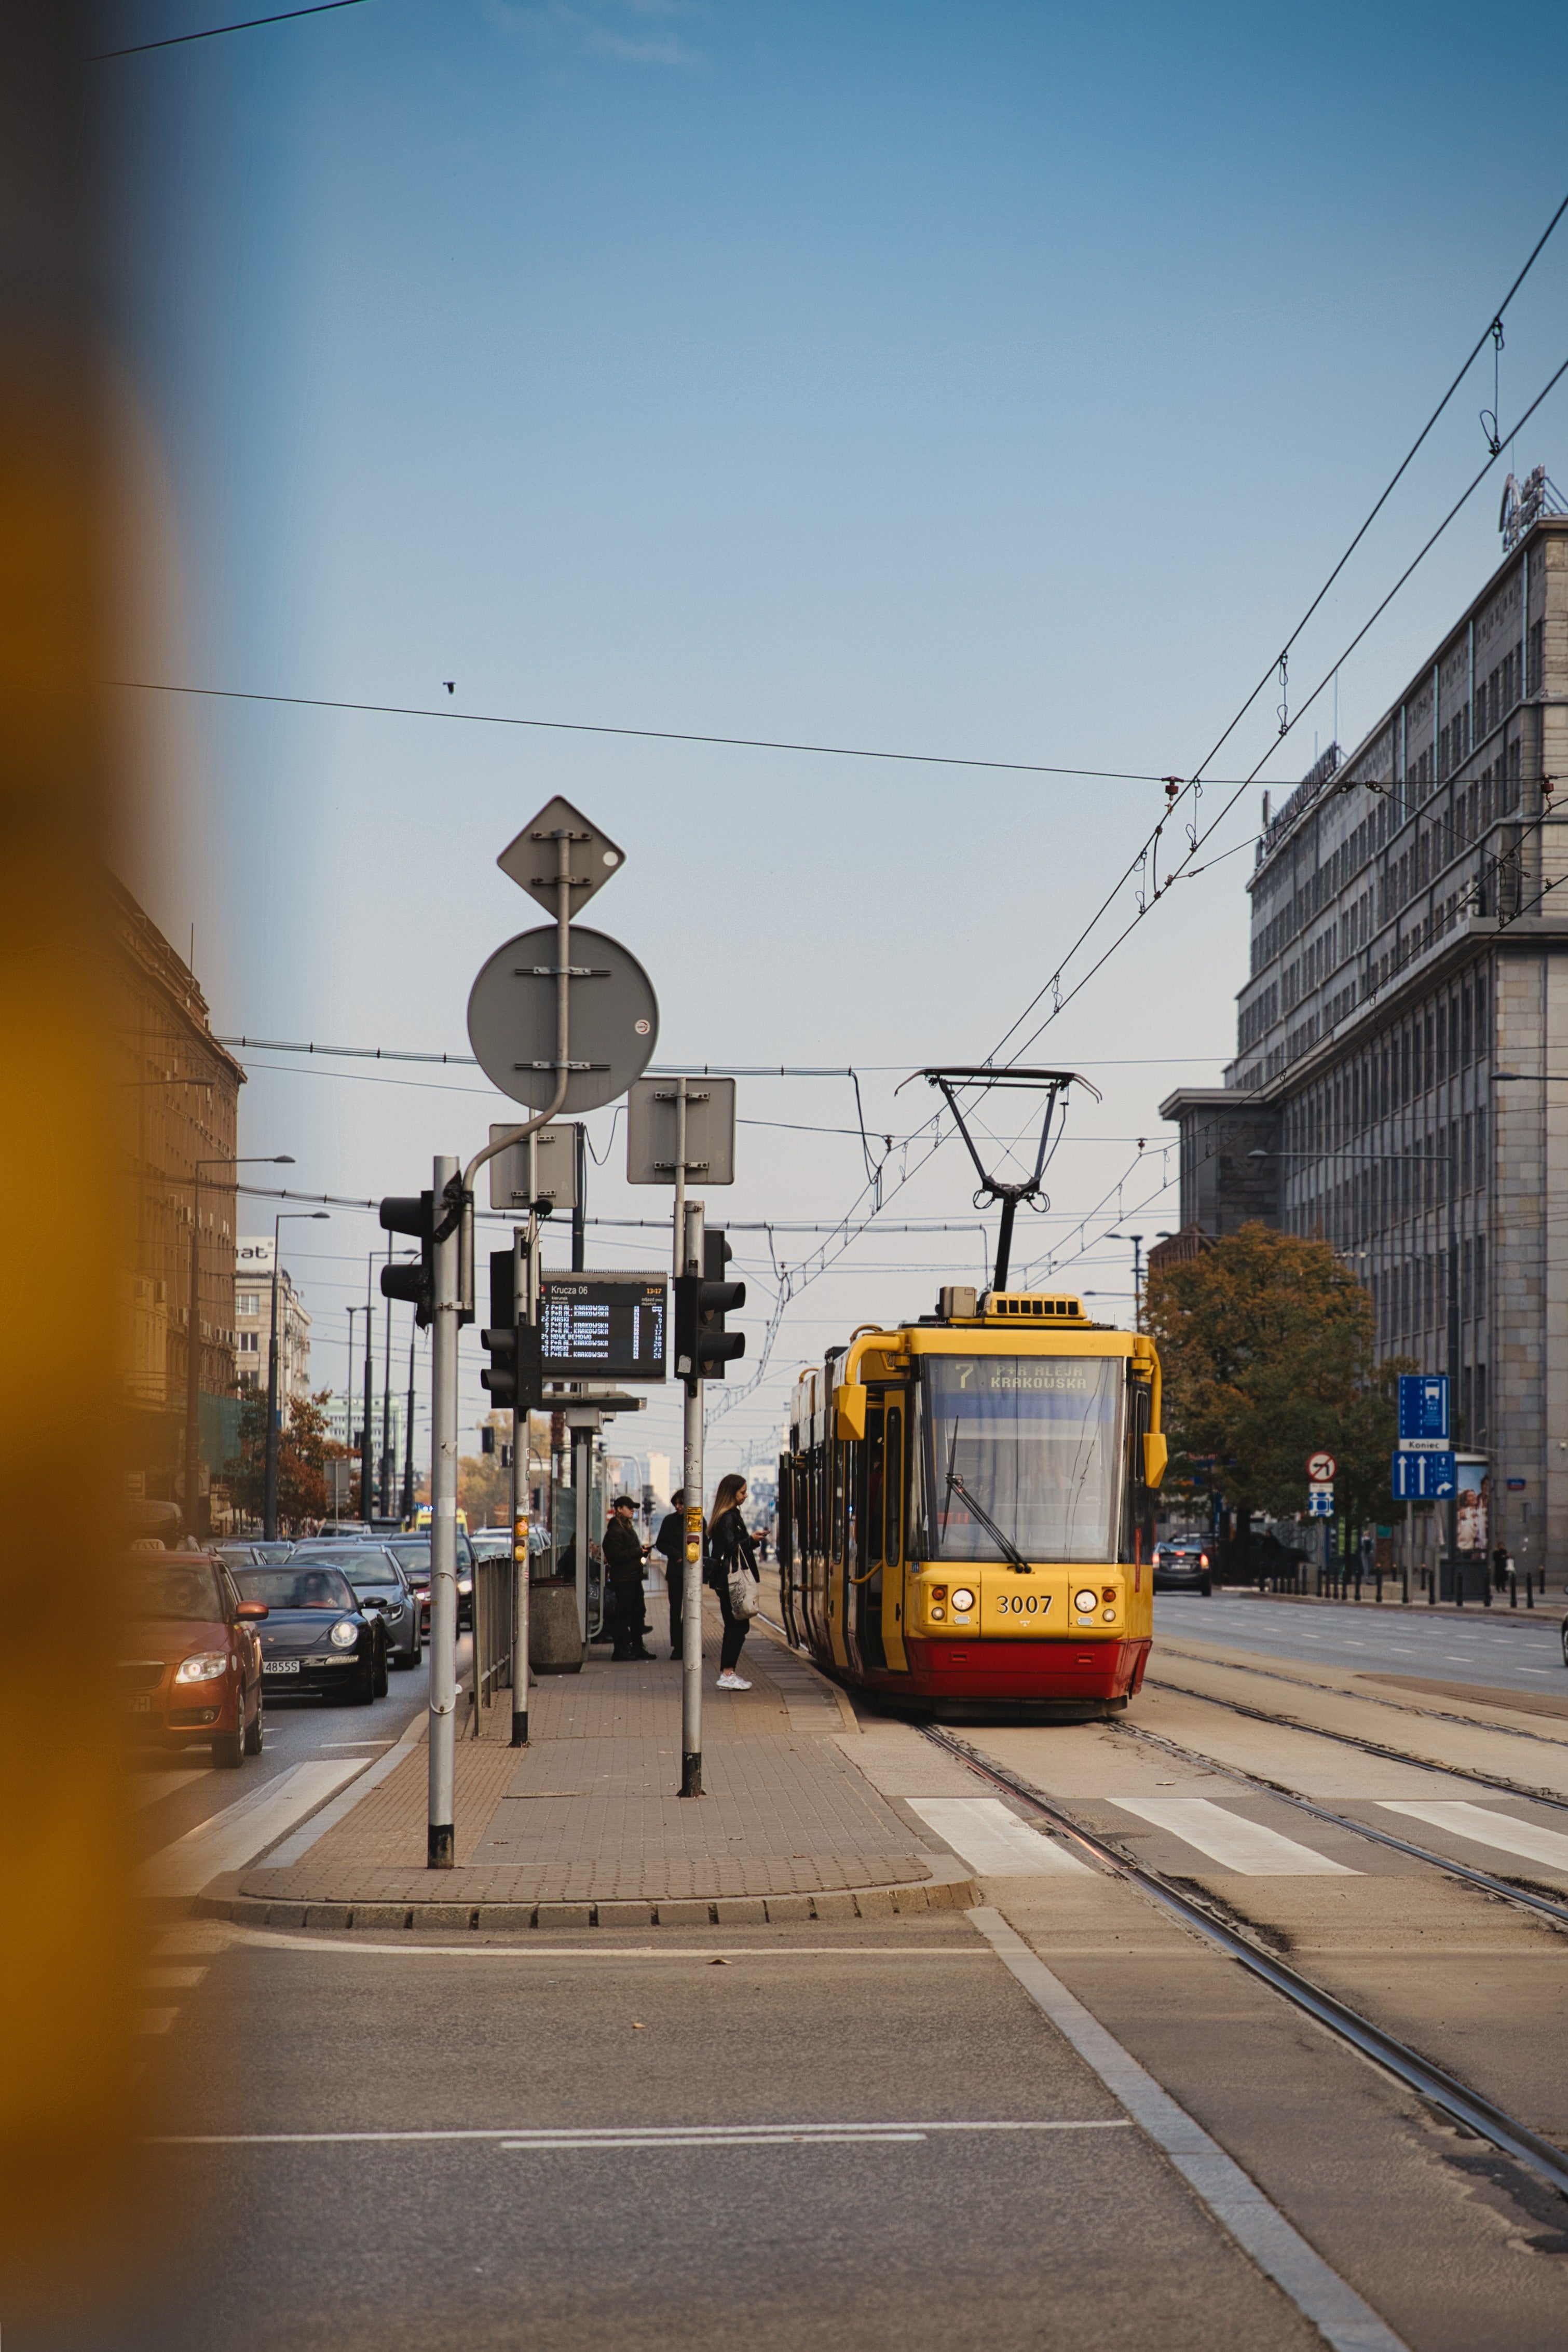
{"x":1513,"y":1591}
{"x":1405,"y":1583}
{"x":1530,"y":1586}
{"x":1430,"y":1575}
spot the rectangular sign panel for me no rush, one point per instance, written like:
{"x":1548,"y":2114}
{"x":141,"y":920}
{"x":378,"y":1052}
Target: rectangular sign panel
{"x":1319,"y":1503}
{"x":602,"y":1326}
{"x":652,"y":1125}
{"x":1423,"y":1478}
{"x":1424,"y":1408}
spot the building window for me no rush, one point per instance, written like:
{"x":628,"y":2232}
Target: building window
{"x":249,"y":1303}
{"x":250,"y":1343}
{"x":1480,"y":1276}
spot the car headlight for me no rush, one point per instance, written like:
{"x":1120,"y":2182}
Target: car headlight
{"x":345,"y":1634}
{"x":205,"y":1668}
{"x":1085,"y":1600}
{"x":464,"y":1584}
{"x":962,"y":1597}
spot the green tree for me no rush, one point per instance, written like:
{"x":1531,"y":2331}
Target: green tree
{"x":1267,"y":1347}
{"x":303,"y":1447}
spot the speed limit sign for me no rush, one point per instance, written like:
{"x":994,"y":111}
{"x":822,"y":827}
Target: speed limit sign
{"x":1321,"y":1468}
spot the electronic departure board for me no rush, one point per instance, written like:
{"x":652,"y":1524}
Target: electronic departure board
{"x":597,"y":1326}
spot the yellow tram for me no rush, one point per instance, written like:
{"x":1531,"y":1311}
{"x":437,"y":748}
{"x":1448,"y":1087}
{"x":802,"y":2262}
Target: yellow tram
{"x":965,"y":1507}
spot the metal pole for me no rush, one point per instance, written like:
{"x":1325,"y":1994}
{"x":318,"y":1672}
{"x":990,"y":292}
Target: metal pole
{"x":269,"y":1474}
{"x":580,"y":1186}
{"x":582,"y":1490}
{"x":523,"y":1292}
{"x":1453,"y":1172}
{"x":691,"y":1245}
{"x":407,"y":1513}
{"x":194,"y":1368}
{"x":367,"y":1432}
{"x":680,"y":1222}
{"x":384,"y":1483}
{"x":439,"y":1847}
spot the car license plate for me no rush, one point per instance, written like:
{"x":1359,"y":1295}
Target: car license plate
{"x":280,"y":1666}
{"x":139,"y":1705}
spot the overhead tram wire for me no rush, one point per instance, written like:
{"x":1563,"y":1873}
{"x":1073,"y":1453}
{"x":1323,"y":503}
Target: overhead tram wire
{"x":1273,"y":669}
{"x":648,"y":734}
{"x":1197,"y":839}
{"x":215,"y":32}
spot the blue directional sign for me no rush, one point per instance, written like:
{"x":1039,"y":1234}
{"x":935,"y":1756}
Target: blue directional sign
{"x":1424,"y":1478}
{"x":1423,"y":1406}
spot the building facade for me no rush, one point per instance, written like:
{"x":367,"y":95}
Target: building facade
{"x":1403,"y":1020}
{"x":253,"y":1325}
{"x":179,"y":1095}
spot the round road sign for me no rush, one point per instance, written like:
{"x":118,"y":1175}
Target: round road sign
{"x":1321,"y":1467}
{"x":612,"y":1010}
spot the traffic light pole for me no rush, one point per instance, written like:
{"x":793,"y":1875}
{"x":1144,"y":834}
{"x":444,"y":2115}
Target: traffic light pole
{"x":525,"y":1247}
{"x":691,"y":1262}
{"x":439,"y":1843}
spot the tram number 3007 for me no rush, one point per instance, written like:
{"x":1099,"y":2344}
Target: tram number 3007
{"x":1021,"y":1604}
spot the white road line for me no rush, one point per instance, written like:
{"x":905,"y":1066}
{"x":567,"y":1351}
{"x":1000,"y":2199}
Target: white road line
{"x":1236,"y":1843}
{"x":231,"y":1838}
{"x":1483,"y":1827}
{"x":147,"y":1787}
{"x":1235,"y":2201}
{"x":276,"y":1939}
{"x":985,"y":1834}
{"x":293,"y":1849}
{"x":168,"y":1979}
{"x":623,"y":2136}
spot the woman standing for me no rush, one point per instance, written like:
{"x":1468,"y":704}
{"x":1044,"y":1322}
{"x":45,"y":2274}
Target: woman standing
{"x":730,"y":1547}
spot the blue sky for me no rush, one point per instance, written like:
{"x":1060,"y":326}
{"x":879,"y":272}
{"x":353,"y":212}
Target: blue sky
{"x":988,"y":379}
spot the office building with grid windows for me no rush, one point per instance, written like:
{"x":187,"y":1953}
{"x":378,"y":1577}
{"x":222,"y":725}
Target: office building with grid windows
{"x":1404,"y":1013}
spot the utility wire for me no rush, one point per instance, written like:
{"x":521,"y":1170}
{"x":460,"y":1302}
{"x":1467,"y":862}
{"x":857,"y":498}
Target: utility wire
{"x":646,"y":734}
{"x":1196,"y":837}
{"x":213,"y":32}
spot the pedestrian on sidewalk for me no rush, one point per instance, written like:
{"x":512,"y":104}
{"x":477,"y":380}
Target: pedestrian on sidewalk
{"x":730,"y":1547}
{"x":624,"y":1553}
{"x":670,"y":1543}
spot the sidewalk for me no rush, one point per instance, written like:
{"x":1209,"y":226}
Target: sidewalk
{"x":584,"y":1828}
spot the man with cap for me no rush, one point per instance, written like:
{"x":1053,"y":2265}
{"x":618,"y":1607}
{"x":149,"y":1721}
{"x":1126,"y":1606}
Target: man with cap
{"x":624,"y":1553}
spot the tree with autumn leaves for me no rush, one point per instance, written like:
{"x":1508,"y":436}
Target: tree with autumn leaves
{"x":1267,"y":1347}
{"x":303,"y":1447}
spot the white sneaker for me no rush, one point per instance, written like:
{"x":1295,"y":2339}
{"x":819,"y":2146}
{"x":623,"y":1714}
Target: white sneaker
{"x":732,"y":1682}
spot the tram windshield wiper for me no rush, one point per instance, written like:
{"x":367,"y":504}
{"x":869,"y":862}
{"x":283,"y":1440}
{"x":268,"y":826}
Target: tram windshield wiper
{"x":978,"y":1510}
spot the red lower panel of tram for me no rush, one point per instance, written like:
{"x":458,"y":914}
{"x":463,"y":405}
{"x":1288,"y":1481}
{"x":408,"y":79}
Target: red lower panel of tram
{"x":1064,"y":1670}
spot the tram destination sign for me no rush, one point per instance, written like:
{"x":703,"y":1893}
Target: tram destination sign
{"x":597,"y":1326}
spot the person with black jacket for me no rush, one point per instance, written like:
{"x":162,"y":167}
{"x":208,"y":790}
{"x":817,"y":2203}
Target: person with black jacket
{"x":623,"y":1557}
{"x":730,"y":1547}
{"x":670,"y":1543}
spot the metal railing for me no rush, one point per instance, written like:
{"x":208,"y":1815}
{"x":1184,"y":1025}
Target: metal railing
{"x":495,"y":1599}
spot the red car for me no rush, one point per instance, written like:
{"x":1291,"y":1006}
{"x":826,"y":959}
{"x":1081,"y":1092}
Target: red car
{"x":191,"y":1673}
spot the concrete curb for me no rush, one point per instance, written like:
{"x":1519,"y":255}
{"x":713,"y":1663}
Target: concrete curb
{"x":719,"y":1911}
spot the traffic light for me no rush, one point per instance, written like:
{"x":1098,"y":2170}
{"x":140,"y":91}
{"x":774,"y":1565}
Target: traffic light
{"x":513,"y":1375}
{"x":703,"y":1346}
{"x":413,"y":1284}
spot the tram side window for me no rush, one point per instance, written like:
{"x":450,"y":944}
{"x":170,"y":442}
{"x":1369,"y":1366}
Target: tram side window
{"x":893,"y":1487}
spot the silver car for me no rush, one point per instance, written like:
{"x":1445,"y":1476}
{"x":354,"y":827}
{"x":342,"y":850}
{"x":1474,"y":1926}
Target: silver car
{"x":379,"y":1587}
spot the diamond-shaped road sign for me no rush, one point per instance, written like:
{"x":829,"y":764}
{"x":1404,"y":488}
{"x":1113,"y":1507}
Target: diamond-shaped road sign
{"x":532,"y":860}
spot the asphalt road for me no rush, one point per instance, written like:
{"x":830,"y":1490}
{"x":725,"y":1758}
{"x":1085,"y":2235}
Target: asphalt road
{"x":1506,"y":1648}
{"x":893,"y":2232}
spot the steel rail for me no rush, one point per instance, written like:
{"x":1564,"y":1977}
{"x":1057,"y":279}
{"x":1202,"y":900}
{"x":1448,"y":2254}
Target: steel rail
{"x":1482,"y":1878}
{"x":1430,"y":2082}
{"x":1498,"y":1781}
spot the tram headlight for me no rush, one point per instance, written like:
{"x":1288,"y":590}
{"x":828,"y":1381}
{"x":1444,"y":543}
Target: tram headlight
{"x":1086,"y":1600}
{"x":962,"y":1597}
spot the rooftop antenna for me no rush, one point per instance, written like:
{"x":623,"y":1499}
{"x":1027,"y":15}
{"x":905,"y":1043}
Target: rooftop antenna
{"x":1054,"y":1084}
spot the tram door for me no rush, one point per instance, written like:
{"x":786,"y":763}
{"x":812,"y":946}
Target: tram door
{"x":865,"y":1550}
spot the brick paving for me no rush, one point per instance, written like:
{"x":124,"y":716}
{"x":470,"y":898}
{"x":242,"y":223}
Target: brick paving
{"x":584,"y":1825}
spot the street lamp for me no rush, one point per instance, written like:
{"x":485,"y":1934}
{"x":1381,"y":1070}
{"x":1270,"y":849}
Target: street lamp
{"x":193,"y":1327}
{"x":269,"y":1484}
{"x":1137,"y":1242}
{"x":1448,"y":1159}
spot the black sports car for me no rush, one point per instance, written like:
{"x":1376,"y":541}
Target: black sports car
{"x":316,"y":1637}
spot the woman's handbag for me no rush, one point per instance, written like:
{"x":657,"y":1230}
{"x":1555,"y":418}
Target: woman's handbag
{"x":745,"y":1593}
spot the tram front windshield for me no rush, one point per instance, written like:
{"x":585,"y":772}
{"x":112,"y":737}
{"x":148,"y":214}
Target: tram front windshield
{"x":1032,"y":1445}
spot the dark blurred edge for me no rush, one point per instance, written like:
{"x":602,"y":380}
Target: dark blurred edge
{"x":69,"y":2079}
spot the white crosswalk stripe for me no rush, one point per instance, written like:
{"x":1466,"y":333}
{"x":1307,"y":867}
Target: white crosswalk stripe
{"x":1484,"y":1827}
{"x":985,"y":1834}
{"x":231,"y":1838}
{"x":1235,"y":1842}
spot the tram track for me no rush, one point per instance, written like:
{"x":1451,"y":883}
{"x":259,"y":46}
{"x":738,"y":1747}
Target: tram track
{"x":1444,"y":2092}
